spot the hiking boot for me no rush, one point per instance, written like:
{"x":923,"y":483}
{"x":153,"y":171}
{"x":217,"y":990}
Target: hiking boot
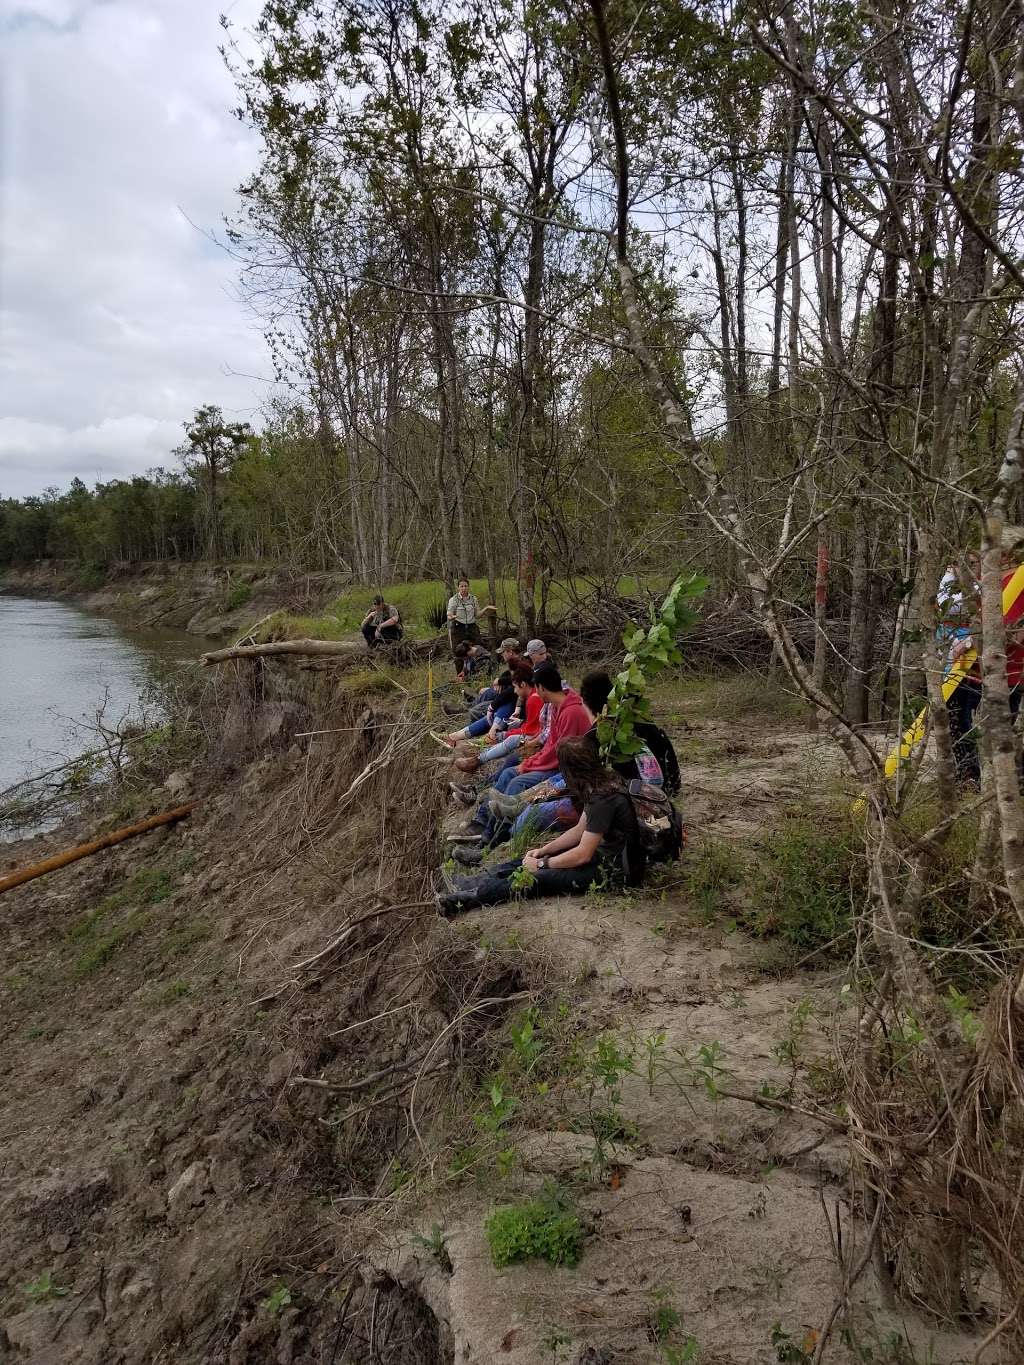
{"x":463,"y":793}
{"x":451,"y":708}
{"x":467,"y":764}
{"x":470,"y":698}
{"x":506,"y":806}
{"x":449,"y":904}
{"x":468,"y":857}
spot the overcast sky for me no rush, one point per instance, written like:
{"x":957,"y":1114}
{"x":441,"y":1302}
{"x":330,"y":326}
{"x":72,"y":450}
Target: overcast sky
{"x":117,"y":318}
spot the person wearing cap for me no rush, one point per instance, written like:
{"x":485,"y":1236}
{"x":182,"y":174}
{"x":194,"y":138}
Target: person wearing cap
{"x":511,"y":658}
{"x":382,"y":624}
{"x":463,"y":613}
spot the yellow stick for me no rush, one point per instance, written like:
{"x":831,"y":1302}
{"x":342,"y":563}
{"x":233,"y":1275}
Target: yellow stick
{"x":430,"y":689}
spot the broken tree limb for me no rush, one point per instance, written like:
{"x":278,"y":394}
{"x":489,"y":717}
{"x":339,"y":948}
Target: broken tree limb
{"x":72,"y":855}
{"x":338,"y":647}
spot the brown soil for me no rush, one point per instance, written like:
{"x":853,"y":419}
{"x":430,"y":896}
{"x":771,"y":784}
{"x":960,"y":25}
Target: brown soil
{"x":170,"y":1190}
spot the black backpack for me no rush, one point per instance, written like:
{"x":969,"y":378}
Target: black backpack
{"x":659,"y":824}
{"x":661,"y":747}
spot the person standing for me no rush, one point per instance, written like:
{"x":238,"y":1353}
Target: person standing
{"x":464,"y":612}
{"x":382,"y":624}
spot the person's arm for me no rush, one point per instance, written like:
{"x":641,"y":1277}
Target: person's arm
{"x":582,"y":850}
{"x":366,"y":618}
{"x":451,"y":609}
{"x":561,"y":842}
{"x":391,"y":621}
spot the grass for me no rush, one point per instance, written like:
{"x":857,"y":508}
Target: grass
{"x":415,"y":601}
{"x":101,"y":933}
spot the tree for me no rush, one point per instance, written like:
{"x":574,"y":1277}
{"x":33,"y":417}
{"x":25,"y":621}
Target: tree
{"x":211,"y":449}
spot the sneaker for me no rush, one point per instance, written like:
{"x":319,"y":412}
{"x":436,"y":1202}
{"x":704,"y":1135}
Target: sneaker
{"x":443,"y":740}
{"x":465,"y":795}
{"x":468,"y":857}
{"x":448,"y":904}
{"x":470,"y":698}
{"x":506,"y":806}
{"x":452,"y":708}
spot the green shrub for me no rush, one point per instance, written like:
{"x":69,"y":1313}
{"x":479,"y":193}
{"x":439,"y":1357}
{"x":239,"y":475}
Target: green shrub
{"x":804,"y":883}
{"x":237,"y":595}
{"x":710,"y":871}
{"x":541,"y":1228}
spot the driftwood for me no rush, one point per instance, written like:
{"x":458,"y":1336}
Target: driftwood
{"x":72,"y":855}
{"x":400,"y":652}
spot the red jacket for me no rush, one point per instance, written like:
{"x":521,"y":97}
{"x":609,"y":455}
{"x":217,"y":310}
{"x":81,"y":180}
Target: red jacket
{"x":571,"y":718}
{"x":531,"y":725}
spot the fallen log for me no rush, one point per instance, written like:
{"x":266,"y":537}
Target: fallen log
{"x":402,"y":651}
{"x":72,"y":855}
{"x":343,"y":647}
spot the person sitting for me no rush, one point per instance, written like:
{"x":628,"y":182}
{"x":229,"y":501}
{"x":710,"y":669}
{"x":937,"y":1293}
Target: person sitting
{"x":382,"y":624}
{"x":537,"y":653}
{"x":478,"y":704}
{"x":499,"y":709}
{"x":603,"y":846}
{"x":508,"y":738}
{"x":463,"y":613}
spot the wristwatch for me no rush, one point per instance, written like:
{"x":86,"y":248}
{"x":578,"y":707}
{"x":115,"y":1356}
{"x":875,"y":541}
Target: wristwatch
{"x":542,"y":864}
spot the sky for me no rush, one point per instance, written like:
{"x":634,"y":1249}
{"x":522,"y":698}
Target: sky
{"x":117,"y":316}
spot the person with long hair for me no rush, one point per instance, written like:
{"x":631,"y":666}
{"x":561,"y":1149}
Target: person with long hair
{"x":603,"y":846}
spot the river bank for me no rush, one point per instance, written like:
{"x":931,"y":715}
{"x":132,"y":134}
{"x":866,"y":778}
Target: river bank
{"x":211,"y":601}
{"x":292,"y":1097}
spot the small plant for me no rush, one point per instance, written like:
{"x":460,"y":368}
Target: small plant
{"x":502,"y":1107}
{"x":684,"y":1354}
{"x":237,"y":595}
{"x":804,"y":883}
{"x":280,"y":1297}
{"x":787,"y":1352}
{"x":522,"y":879}
{"x":44,"y":1288}
{"x":665,"y":1317}
{"x":437,"y":1246}
{"x":710,"y":872}
{"x":527,"y":1045}
{"x":542,"y":1228}
{"x":436,"y":614}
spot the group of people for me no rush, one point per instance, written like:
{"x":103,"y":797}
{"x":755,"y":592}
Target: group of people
{"x":959,"y":601}
{"x":538,"y":743}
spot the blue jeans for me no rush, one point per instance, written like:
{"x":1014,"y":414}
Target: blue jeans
{"x":522,"y":782}
{"x":502,"y":749}
{"x":480,"y":727}
{"x":545,"y":815}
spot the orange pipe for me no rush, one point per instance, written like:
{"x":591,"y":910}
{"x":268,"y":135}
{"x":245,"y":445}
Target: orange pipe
{"x":72,"y":855}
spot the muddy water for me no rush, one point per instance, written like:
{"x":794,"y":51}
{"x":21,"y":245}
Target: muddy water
{"x":57,"y":664}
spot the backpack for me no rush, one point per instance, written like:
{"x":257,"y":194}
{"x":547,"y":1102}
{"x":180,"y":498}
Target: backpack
{"x":659,"y":823}
{"x":661,"y":747}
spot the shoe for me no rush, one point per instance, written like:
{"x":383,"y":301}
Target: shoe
{"x":472,"y":834}
{"x":448,"y":904}
{"x":506,"y":806}
{"x":468,"y":857}
{"x":464,"y":794}
{"x":467,"y":765}
{"x":441,"y":739}
{"x":470,"y":698}
{"x":452,"y":708}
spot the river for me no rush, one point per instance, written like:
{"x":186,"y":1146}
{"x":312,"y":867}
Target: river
{"x":56,"y":664}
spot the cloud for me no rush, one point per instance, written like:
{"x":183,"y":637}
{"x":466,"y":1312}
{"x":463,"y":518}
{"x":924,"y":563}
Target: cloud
{"x":117,"y":317}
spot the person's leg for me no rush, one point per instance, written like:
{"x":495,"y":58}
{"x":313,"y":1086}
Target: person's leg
{"x":962,"y":706}
{"x":369,"y":634}
{"x":475,"y":728}
{"x":498,"y":886}
{"x":389,"y":634}
{"x":473,"y":633}
{"x":510,"y":770}
{"x":536,"y":818}
{"x":502,"y":749}
{"x":522,"y":782}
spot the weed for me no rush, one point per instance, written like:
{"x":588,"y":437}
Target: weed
{"x":710,"y":872}
{"x":543,"y":1228}
{"x":437,"y":1246}
{"x":104,"y":946}
{"x":769,"y":1277}
{"x":554,"y":1339}
{"x":280,"y":1297}
{"x":501,"y":1108}
{"x":804,"y":882}
{"x":186,"y":936}
{"x":521,"y":880}
{"x":175,"y":990}
{"x":786,"y":1349}
{"x":43,"y":1289}
{"x":237,"y":595}
{"x":683,"y":1354}
{"x":665,"y":1318}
